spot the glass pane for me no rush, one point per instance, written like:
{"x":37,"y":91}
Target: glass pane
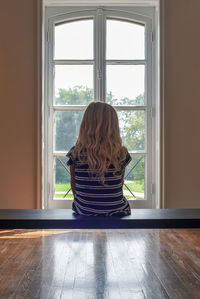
{"x":74,"y":40}
{"x":67,"y":129}
{"x":134,"y":183}
{"x":125,"y":40}
{"x":132,"y":129}
{"x":73,"y":84}
{"x":125,"y":84}
{"x":62,"y":179}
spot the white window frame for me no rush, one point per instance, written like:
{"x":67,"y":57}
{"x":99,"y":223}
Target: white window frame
{"x":51,"y":11}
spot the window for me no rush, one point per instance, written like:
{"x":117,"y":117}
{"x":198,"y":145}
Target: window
{"x":104,"y":54}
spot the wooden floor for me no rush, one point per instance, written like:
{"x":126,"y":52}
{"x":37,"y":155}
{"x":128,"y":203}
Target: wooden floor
{"x":100,"y":264}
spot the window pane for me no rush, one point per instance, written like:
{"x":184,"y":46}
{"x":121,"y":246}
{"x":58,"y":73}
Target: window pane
{"x":73,"y":84}
{"x":125,"y":40}
{"x":134,"y":180}
{"x":62,"y":179}
{"x":67,"y":129}
{"x":132,"y":129}
{"x":133,"y":183}
{"x":74,"y":40}
{"x":125,"y":84}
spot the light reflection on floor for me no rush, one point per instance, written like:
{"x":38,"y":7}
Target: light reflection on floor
{"x":94,"y":260}
{"x":30,"y":233}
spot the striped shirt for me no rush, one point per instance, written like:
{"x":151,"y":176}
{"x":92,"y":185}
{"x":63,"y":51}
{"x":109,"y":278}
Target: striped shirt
{"x":92,"y":197}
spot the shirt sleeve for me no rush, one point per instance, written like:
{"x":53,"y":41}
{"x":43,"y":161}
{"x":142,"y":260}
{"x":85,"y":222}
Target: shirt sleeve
{"x":70,"y":161}
{"x":126,"y":161}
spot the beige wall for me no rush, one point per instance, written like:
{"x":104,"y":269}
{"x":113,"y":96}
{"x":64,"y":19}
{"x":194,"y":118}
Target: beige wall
{"x":18,"y":113}
{"x":18,"y":104}
{"x":182,"y":104}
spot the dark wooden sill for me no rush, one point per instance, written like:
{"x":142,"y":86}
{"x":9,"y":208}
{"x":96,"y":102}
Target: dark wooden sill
{"x":63,"y":218}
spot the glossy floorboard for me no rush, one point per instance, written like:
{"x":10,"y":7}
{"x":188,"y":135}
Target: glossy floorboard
{"x":100,"y":264}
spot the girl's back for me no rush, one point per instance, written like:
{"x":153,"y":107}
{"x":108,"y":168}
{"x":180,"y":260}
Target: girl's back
{"x":97,"y":164}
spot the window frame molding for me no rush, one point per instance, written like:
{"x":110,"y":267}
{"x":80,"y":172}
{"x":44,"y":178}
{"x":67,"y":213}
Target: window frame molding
{"x":100,"y":3}
{"x":159,"y":167}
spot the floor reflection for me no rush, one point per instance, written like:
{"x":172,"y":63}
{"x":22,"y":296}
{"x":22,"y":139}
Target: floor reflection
{"x":92,"y":261}
{"x":74,"y":261}
{"x":95,"y":262}
{"x":100,"y":262}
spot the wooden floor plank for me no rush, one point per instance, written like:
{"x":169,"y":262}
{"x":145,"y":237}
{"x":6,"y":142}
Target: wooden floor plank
{"x":179,"y":261}
{"x":29,"y":284}
{"x":168,"y":275}
{"x":100,"y":264}
{"x":60,"y":267}
{"x":150,"y":283}
{"x":12,"y":271}
{"x":69,"y":278}
{"x":147,"y":248}
{"x":126,"y":275}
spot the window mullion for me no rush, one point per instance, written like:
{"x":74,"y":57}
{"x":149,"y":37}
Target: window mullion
{"x":73,"y":62}
{"x":99,"y":52}
{"x":125,"y":62}
{"x":69,"y":107}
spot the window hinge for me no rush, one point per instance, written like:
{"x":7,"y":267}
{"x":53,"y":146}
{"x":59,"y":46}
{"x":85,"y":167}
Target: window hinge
{"x":152,"y":112}
{"x":152,"y":36}
{"x":47,"y":36}
{"x":153,"y":188}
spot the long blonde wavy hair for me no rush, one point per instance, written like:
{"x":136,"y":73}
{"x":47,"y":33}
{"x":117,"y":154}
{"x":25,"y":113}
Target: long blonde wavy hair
{"x":99,"y":142}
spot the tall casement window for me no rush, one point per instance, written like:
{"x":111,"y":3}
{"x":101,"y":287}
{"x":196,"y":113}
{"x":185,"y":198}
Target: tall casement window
{"x":99,"y":54}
